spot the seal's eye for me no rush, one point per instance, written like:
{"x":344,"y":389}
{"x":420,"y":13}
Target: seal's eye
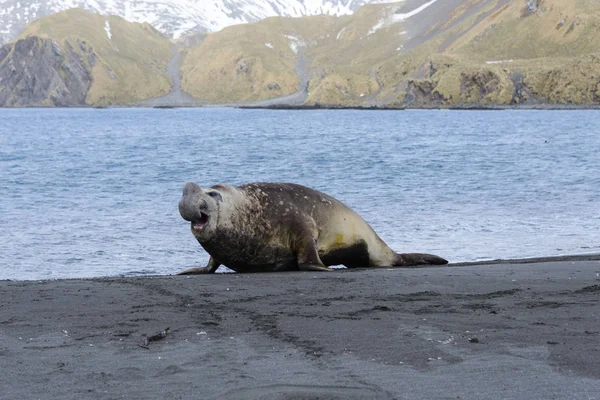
{"x":215,"y":195}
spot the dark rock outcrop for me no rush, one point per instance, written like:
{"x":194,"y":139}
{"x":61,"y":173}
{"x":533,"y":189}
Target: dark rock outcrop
{"x":37,"y":72}
{"x":423,"y":94}
{"x":522,"y":93}
{"x":531,"y":7}
{"x":476,"y":85}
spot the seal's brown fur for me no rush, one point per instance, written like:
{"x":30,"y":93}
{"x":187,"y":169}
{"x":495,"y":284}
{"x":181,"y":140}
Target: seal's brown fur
{"x":283,"y":226}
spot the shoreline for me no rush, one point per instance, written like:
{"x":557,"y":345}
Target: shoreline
{"x":465,"y":107}
{"x":531,"y":260}
{"x":508,"y":328}
{"x":309,"y":107}
{"x":498,"y":261}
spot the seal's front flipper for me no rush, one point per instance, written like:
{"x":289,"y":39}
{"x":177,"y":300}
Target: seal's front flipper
{"x":308,"y":255}
{"x":418,"y":260}
{"x":210,"y":268}
{"x":313,"y":267}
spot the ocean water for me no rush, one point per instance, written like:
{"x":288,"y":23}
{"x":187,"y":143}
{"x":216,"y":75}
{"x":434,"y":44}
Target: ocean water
{"x":94,"y":192}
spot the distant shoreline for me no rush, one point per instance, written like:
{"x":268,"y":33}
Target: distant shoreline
{"x":454,"y":108}
{"x":309,"y":107}
{"x":532,"y":260}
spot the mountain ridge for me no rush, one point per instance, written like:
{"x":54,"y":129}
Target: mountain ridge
{"x":122,"y":62}
{"x":173,"y":18}
{"x":415,"y":53}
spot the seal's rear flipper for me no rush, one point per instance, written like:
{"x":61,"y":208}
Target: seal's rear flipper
{"x":194,"y":271}
{"x":418,"y":259}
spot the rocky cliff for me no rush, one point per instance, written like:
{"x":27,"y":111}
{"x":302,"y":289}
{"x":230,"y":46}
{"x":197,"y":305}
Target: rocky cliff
{"x":78,"y":58}
{"x":37,"y":72}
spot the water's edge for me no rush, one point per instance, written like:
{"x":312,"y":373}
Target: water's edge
{"x":576,"y":258}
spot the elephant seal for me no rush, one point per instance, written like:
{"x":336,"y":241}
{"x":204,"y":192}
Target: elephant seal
{"x":260,"y":227}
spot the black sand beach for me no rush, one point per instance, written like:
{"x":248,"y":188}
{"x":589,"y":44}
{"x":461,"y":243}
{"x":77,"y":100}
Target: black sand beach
{"x":507,"y":330}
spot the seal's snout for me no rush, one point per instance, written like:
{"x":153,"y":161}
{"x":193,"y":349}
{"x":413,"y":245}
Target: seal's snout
{"x":188,"y":205}
{"x":190,"y":188}
{"x":183,"y":210}
{"x":194,"y":206}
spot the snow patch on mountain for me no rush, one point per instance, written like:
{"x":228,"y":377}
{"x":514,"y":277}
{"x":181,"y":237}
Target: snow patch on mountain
{"x":405,"y":16}
{"x":107,"y":29}
{"x":173,"y":17}
{"x":294,"y":43}
{"x":399,"y":17}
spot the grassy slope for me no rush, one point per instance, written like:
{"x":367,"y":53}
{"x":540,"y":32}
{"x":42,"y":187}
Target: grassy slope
{"x":345,"y":59}
{"x":556,"y":48}
{"x":553,"y":50}
{"x":240,"y":62}
{"x":130,"y":66}
{"x":553,"y":53}
{"x":357,"y":60}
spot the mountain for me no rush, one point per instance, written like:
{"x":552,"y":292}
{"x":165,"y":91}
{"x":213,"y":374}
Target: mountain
{"x":413,"y":53}
{"x":76,"y":58}
{"x":416,"y":53}
{"x":172,"y":17}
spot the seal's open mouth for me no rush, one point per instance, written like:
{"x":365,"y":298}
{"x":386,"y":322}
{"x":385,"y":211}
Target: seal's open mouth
{"x":199,"y":224}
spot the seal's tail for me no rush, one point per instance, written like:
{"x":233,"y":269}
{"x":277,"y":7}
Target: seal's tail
{"x":418,"y":259}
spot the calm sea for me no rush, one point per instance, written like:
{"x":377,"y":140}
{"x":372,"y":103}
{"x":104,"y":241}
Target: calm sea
{"x":94,"y":192}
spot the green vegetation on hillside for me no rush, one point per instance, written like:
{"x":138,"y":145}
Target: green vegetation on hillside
{"x":452,"y":53}
{"x":129,"y":65}
{"x":250,"y":62}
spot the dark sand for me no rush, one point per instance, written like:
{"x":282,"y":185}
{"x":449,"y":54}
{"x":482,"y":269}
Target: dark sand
{"x":508,"y":330}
